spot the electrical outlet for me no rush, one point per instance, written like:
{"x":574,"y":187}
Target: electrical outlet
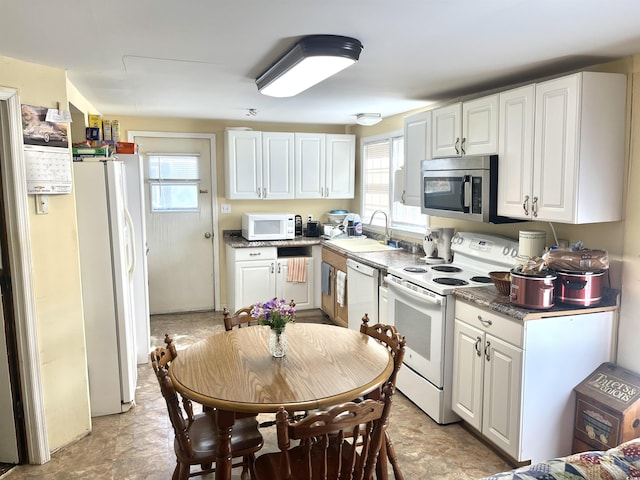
{"x":309,"y":217}
{"x":225,"y":208}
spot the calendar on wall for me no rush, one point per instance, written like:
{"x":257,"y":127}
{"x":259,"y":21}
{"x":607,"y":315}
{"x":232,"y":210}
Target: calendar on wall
{"x":48,"y":170}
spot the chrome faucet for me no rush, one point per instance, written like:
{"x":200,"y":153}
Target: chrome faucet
{"x":387,"y":233}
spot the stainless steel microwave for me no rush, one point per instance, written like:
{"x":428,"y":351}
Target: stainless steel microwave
{"x":268,"y":226}
{"x":465,"y":188}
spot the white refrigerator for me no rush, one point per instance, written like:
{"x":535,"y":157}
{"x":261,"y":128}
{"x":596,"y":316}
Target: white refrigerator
{"x":134,"y":181}
{"x":107,"y":263}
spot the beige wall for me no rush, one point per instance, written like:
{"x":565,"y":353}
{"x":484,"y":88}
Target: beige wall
{"x":56,"y":277}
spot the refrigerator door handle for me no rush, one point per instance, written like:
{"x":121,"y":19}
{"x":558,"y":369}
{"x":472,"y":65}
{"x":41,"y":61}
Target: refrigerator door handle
{"x":131,"y":253}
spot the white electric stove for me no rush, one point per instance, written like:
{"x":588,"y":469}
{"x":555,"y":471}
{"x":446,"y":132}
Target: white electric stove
{"x":421,"y":306}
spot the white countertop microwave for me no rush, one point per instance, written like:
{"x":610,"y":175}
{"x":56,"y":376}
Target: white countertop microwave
{"x":268,"y":226}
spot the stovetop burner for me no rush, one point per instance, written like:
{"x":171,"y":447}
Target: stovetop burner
{"x":457,"y":282}
{"x":479,"y":279}
{"x":446,"y":269}
{"x":415,"y":269}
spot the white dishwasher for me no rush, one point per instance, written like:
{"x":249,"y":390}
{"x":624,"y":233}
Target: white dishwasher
{"x":362,"y":293}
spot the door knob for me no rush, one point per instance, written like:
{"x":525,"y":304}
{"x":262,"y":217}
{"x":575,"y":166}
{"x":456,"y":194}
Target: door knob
{"x":207,"y":235}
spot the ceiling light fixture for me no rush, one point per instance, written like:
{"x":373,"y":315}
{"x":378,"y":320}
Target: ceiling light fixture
{"x":311,"y":60}
{"x":368,"y":119}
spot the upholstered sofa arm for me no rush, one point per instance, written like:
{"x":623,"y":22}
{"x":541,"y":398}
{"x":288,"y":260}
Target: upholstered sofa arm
{"x":618,"y":463}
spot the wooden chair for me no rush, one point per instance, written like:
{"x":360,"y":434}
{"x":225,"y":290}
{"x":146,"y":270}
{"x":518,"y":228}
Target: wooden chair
{"x":395,"y":343}
{"x":341,"y":443}
{"x":242,"y":317}
{"x":196,"y":436}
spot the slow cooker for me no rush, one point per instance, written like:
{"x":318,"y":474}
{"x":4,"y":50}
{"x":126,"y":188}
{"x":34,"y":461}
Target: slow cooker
{"x":579,"y":288}
{"x":532,"y":290}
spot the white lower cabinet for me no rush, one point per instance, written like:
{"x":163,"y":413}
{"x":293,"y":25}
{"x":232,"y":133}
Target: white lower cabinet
{"x":257,"y":274}
{"x":513,"y":380}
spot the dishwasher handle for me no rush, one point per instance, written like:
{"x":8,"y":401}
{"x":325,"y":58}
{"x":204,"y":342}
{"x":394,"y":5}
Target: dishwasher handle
{"x":362,"y":268}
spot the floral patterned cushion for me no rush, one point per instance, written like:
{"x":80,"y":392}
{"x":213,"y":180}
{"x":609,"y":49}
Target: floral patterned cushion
{"x":619,"y":463}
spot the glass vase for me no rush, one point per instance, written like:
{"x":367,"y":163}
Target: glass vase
{"x":278,"y":343}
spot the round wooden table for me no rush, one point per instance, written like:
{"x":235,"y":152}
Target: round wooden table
{"x":234,"y":372}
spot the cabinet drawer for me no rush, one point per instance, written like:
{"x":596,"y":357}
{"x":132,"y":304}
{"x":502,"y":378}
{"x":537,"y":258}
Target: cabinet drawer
{"x":501,"y":326}
{"x":255,"y":253}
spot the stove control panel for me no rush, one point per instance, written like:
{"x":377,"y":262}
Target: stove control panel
{"x":491,"y":248}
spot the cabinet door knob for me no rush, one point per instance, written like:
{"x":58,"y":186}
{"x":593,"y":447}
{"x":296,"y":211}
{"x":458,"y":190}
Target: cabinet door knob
{"x":457,"y":145}
{"x":207,"y":235}
{"x":534,"y":207}
{"x":486,"y":323}
{"x":477,"y":346}
{"x":487,"y":350}
{"x":525,"y":205}
{"x":464,"y":139}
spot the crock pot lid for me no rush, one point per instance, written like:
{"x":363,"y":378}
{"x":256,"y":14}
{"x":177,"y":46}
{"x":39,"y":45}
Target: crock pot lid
{"x":517,"y":271}
{"x":581,"y":272}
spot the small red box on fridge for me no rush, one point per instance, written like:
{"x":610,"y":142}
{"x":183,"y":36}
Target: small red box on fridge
{"x":125,"y":147}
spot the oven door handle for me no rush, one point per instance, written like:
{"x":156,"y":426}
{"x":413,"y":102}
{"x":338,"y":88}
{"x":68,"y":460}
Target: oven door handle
{"x":412,"y":293}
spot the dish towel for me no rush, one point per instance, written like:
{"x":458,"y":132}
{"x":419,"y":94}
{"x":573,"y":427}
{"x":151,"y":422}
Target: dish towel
{"x":325,"y":279}
{"x":341,"y":283}
{"x":297,"y":270}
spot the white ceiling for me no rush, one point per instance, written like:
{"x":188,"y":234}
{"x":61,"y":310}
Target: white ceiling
{"x":200,"y":58}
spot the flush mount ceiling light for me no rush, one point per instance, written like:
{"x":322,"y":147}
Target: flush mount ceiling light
{"x":311,"y":60}
{"x":368,"y":119}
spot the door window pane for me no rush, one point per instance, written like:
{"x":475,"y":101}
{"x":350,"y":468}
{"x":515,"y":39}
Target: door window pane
{"x":174,"y":182}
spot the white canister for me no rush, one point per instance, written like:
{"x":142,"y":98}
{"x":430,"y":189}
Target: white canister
{"x":531,"y":243}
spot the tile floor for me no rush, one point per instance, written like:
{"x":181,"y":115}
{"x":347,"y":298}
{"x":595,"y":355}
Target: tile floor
{"x":139,"y":444}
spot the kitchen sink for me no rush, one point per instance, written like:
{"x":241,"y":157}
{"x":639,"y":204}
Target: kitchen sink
{"x":360,"y":245}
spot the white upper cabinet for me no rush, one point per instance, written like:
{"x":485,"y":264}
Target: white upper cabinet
{"x":480,"y":126}
{"x":447,"y":131}
{"x":469,"y":128}
{"x":417,"y":147}
{"x":259,"y":165}
{"x":324,"y":165}
{"x":281,"y":165}
{"x":574,"y":174}
{"x":243,"y":158}
{"x":277,"y":165}
{"x":515,"y":150}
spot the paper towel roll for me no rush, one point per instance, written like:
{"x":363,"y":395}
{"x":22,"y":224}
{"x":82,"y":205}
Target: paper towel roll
{"x":531,"y":243}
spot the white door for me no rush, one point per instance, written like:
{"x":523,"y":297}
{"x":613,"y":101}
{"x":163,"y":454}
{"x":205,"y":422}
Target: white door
{"x":417,"y":147}
{"x":255,"y":281}
{"x":468,"y":365}
{"x":181,"y":241}
{"x":310,"y":152}
{"x":446,"y":131}
{"x":502,"y":388}
{"x":555,"y":149}
{"x":277,"y":165}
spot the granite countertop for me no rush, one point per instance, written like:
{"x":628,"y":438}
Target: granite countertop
{"x":489,"y":297}
{"x":381,"y":260}
{"x":234,"y":239}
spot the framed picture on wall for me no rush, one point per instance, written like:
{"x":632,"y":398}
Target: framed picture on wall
{"x":37,"y":131}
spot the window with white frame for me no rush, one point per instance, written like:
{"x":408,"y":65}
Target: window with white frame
{"x":382,"y":156}
{"x":174,"y":182}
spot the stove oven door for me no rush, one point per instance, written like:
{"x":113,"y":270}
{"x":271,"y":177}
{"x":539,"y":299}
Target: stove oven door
{"x":419,"y":315}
